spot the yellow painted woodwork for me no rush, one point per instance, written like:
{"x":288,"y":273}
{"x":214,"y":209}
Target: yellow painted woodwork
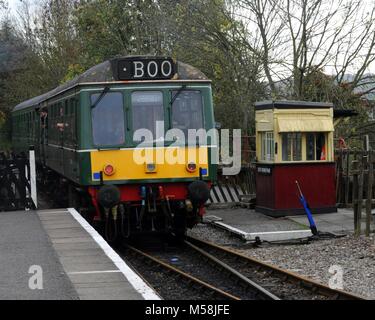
{"x":281,"y":121}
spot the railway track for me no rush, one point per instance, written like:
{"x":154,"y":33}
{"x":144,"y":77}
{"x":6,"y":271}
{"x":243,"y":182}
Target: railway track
{"x":213,"y":280}
{"x":281,"y":283}
{"x":257,"y":279}
{"x":204,"y":289}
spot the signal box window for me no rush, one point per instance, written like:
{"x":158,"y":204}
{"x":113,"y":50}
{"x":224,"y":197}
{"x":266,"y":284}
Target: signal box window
{"x":147,"y":109}
{"x":187,"y":110}
{"x":267,"y":146}
{"x":292,"y":146}
{"x":316,"y":147}
{"x":108,"y":125}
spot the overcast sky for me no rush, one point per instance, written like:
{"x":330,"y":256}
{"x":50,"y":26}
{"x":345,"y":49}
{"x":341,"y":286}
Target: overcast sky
{"x":13,"y":4}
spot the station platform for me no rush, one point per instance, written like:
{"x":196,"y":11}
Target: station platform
{"x":248,"y":224}
{"x":57,"y":255}
{"x":341,"y":221}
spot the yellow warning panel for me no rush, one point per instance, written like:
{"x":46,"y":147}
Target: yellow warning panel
{"x":149,"y":163}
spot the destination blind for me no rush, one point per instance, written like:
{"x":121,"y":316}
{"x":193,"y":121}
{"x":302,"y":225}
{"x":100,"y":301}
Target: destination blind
{"x":145,"y":69}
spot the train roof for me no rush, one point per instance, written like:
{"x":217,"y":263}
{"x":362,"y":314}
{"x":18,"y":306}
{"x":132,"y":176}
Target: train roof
{"x":107,"y":72}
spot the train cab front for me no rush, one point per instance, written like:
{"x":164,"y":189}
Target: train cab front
{"x":147,"y":162}
{"x":151,"y":197}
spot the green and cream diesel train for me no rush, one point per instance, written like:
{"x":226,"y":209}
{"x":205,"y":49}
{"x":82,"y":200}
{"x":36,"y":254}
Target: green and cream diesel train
{"x":83,"y":135}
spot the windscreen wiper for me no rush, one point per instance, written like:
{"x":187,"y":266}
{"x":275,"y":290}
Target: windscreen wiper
{"x":177,"y":94}
{"x":101,"y":96}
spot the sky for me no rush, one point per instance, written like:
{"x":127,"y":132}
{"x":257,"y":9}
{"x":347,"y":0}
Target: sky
{"x":13,"y":4}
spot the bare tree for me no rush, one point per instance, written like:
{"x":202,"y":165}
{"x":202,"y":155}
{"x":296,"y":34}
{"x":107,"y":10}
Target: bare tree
{"x":48,"y":29}
{"x":3,"y":10}
{"x":263,"y":33}
{"x":3,"y":4}
{"x":298,"y":37}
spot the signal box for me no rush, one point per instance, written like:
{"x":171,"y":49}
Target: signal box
{"x":294,"y":142}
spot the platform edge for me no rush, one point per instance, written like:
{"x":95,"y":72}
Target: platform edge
{"x":136,"y":281}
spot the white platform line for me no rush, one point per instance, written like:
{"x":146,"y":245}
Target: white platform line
{"x":136,"y":281}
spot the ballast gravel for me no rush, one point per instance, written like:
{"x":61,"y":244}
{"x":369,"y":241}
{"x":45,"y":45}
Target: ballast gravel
{"x":213,"y":234}
{"x":321,"y":260}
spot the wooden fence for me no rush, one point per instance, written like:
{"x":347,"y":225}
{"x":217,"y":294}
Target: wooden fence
{"x":355,"y":184}
{"x":15,"y":188}
{"x":241,"y":187}
{"x":234,"y":189}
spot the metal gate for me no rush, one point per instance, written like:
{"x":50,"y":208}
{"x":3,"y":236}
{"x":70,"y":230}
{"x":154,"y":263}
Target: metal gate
{"x":15,"y":189}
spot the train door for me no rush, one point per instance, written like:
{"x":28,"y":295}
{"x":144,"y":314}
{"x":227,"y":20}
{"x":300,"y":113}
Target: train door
{"x":60,"y":138}
{"x":36,"y":129}
{"x":43,"y":133}
{"x":65,"y":136}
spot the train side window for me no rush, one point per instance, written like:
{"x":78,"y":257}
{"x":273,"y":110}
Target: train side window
{"x":49,"y":122}
{"x":69,"y":123}
{"x":74,"y":120}
{"x":147,"y":109}
{"x":187,"y":110}
{"x":108,"y":125}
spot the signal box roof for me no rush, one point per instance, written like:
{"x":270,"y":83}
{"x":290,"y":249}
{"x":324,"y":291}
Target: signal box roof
{"x":290,"y":104}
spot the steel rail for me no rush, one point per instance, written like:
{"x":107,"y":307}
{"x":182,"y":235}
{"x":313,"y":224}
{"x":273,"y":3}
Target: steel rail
{"x":260,"y":292}
{"x":189,"y":278}
{"x":286,"y":275}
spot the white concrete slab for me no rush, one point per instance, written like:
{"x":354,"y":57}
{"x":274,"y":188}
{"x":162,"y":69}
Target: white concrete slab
{"x":279,"y":235}
{"x":265,"y":236}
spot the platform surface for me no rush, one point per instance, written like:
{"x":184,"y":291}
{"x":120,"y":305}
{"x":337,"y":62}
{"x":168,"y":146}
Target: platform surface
{"x":341,"y":221}
{"x":76,"y":262}
{"x":249,"y":224}
{"x":23,"y":244}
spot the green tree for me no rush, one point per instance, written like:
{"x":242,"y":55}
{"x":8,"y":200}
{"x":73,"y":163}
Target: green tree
{"x":320,"y":87}
{"x":202,"y":33}
{"x":12,"y":49}
{"x":38,"y":53}
{"x":56,"y":40}
{"x":66,"y":37}
{"x":119,"y":27}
